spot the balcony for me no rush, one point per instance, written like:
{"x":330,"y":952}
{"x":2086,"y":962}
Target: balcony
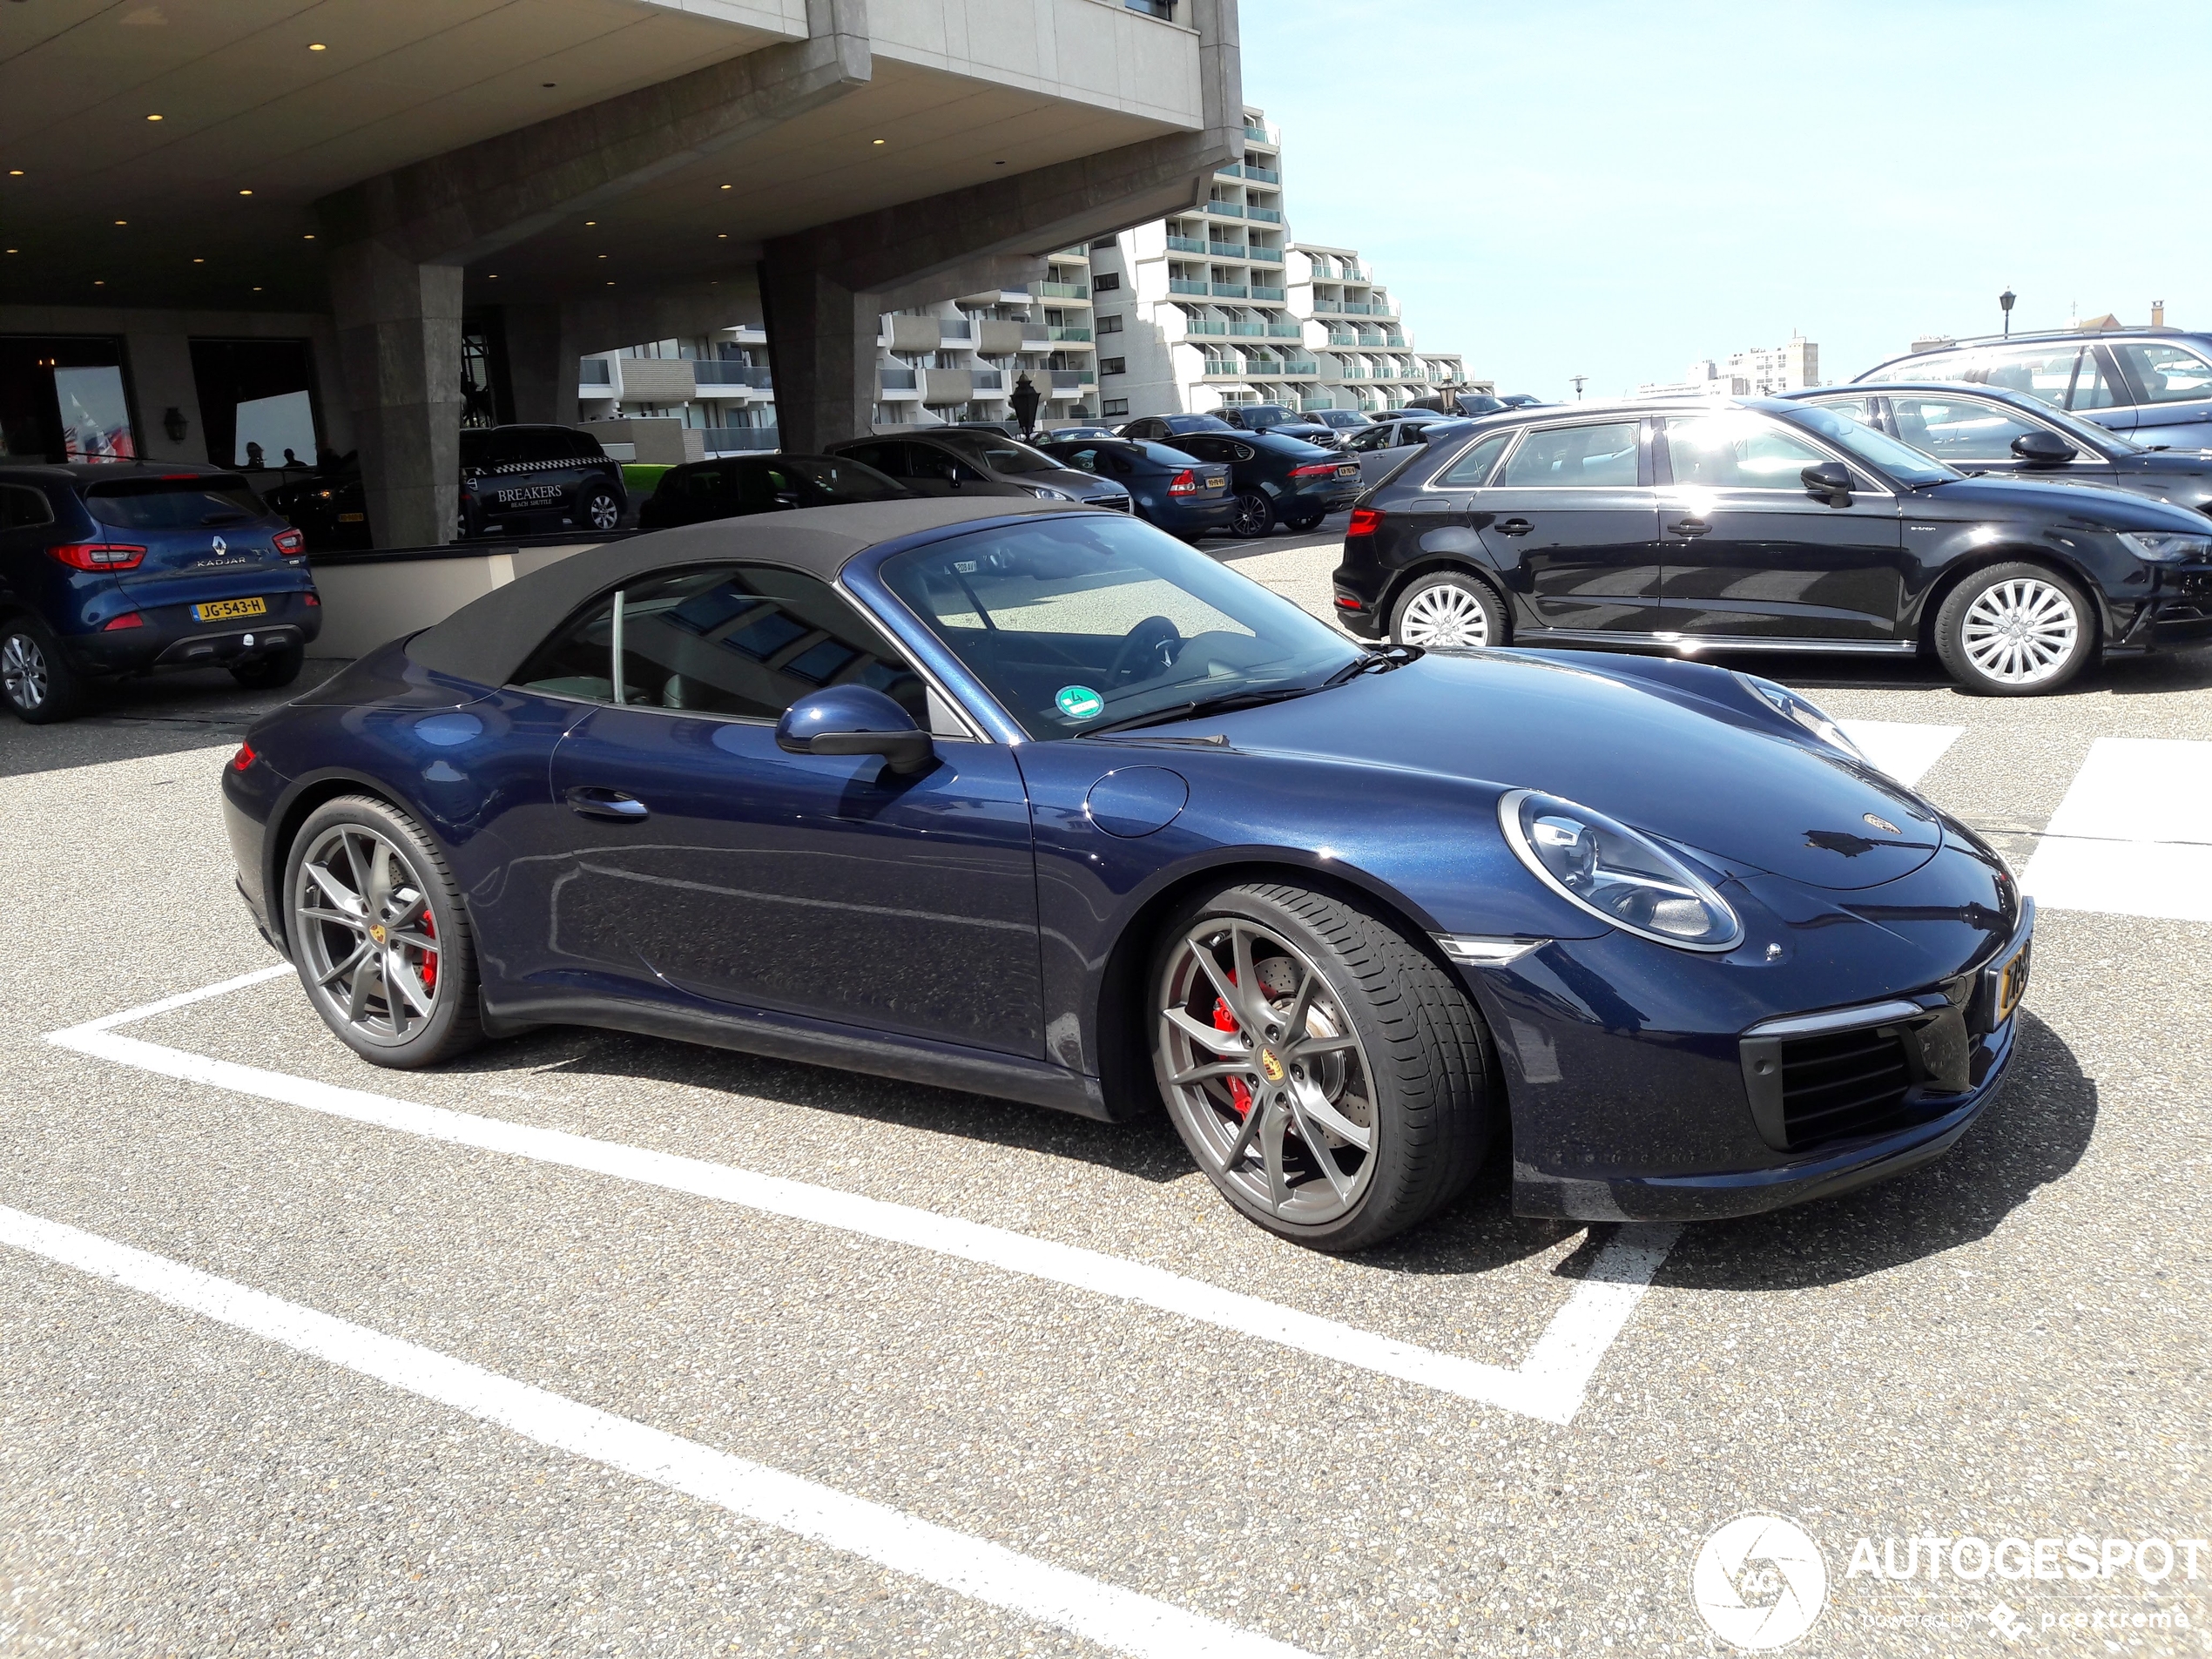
{"x":947,"y":329}
{"x":1184,"y":285}
{"x":1226,"y":210}
{"x":987,"y":380}
{"x":1302,"y":370}
{"x":1058,"y":333}
{"x":1252,"y":330}
{"x":715,"y":371}
{"x":1338,"y":337}
{"x":1264,"y":215}
{"x":1185,"y":244}
{"x":1229,"y":290}
{"x":1036,"y":336}
{"x":737,"y":440}
{"x":1217,"y":367}
{"x":1205,"y":326}
{"x":1064,"y":290}
{"x":1073,"y":380}
{"x":1285,"y":331}
{"x":896,"y":380}
{"x":596,"y":371}
{"x":1226,"y":250}
{"x":1229,"y":170}
{"x":1266,"y":255}
{"x":1277,"y":295}
{"x":1262,"y":175}
{"x":1259,"y":133}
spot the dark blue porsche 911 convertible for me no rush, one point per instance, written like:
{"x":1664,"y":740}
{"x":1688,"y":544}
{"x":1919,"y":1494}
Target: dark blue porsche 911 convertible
{"x":1039,"y":802}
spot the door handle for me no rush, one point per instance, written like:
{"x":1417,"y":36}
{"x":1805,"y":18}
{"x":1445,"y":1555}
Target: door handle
{"x":1689,"y":527}
{"x":594,"y":802}
{"x":1514,"y":527}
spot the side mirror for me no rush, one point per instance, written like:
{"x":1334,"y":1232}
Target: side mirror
{"x":854,"y":720}
{"x":2042,"y":448}
{"x":1830,"y":480}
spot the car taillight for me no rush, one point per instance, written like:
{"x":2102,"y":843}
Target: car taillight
{"x":99,"y":555}
{"x":1365,"y":521}
{"x":242,"y":758}
{"x":311,"y":597}
{"x":1319,"y":469}
{"x":1186,"y":483}
{"x":128,"y":619}
{"x":291,"y":543}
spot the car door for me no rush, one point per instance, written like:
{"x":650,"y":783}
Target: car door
{"x":1976,"y":434}
{"x":1572,"y":520}
{"x":702,"y":861}
{"x":1748,"y":554}
{"x":2170,"y":392}
{"x":937,"y":471}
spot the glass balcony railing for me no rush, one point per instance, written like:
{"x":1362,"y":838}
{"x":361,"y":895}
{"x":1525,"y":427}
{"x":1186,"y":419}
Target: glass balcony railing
{"x":947,"y":329}
{"x":1252,"y":132}
{"x":1224,"y":365}
{"x":1226,"y":250}
{"x":712,"y":371}
{"x":1262,"y":175}
{"x":1058,"y":333}
{"x":1266,"y":255}
{"x":1265,"y":215}
{"x":1205,"y":326}
{"x":1229,"y":170}
{"x":1301,"y":368}
{"x":1185,"y":244}
{"x":987,"y":380}
{"x":1337,"y":337}
{"x":1226,"y":210}
{"x":1229,"y":290}
{"x":1255,"y":330}
{"x":1073,"y":380}
{"x":1184,"y":285}
{"x":896,"y":380}
{"x":730,"y":439}
{"x":1034,"y":336}
{"x":595,"y":371}
{"x":1277,"y":295}
{"x":1064,"y":290}
{"x":1284,"y":331}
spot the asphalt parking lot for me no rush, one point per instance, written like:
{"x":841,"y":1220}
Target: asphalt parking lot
{"x":733,"y":1334}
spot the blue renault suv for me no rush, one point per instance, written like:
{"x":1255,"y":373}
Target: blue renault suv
{"x":109,"y":569}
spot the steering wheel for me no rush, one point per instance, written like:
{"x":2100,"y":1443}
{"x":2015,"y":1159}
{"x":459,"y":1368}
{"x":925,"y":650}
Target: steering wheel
{"x":1152,"y":645}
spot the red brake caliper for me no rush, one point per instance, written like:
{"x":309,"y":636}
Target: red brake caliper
{"x":1240,"y":1092}
{"x":429,"y":957}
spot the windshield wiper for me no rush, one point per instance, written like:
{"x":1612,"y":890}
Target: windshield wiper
{"x":1380,"y":661}
{"x":1221,"y":704}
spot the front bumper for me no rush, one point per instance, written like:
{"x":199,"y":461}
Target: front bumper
{"x":2177,"y":615}
{"x":171,"y":637}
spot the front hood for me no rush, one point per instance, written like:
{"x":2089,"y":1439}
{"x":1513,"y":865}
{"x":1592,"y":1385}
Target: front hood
{"x":2079,"y":507}
{"x":1657,"y":757}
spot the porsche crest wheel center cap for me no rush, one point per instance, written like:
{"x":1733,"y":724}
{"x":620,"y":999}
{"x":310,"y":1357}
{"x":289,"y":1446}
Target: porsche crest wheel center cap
{"x":376,"y":931}
{"x":1269,"y":1067}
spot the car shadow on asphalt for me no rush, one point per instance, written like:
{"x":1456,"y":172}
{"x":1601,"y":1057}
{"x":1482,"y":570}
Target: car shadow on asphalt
{"x":2032,"y":1135}
{"x":160,"y":715}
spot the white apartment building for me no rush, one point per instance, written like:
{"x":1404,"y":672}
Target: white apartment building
{"x":1759,"y":372}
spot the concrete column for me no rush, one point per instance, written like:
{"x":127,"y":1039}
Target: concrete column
{"x":821,"y":339}
{"x":399,"y":341}
{"x":543,"y":384}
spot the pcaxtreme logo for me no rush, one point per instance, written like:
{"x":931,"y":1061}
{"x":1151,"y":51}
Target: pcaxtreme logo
{"x":1759,"y":1582}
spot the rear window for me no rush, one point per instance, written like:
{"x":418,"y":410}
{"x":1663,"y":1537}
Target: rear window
{"x":847,"y":478}
{"x":174,"y":503}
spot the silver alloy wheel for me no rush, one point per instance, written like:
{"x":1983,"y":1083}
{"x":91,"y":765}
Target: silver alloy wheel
{"x":1447,"y":615}
{"x":23,"y":674}
{"x":602,"y":512}
{"x":1265,"y":1071}
{"x":2020,"y":631}
{"x":366,"y":934}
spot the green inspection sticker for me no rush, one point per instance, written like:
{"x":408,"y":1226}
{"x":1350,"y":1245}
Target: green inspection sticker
{"x":1080,"y":702}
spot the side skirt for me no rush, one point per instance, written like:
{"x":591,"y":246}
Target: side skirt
{"x":1694,"y":644}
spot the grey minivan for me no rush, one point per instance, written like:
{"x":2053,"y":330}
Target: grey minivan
{"x":956,"y":461}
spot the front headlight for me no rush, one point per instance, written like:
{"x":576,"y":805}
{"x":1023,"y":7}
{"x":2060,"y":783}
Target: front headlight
{"x":1806,"y":712}
{"x":2162,"y":548}
{"x":1621,"y":877}
{"x":1046,"y":492}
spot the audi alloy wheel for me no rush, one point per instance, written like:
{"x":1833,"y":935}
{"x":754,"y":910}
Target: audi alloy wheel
{"x":1449,"y":612}
{"x":2014,"y":630}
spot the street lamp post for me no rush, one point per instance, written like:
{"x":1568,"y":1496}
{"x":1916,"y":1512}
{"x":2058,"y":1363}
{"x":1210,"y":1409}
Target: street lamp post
{"x":1025,"y":400}
{"x":2005,"y":303}
{"x":1578,"y":379}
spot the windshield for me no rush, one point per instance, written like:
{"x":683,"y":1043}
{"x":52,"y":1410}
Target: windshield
{"x":1079,"y":622}
{"x":1907,"y":465}
{"x":846,"y":478}
{"x":999,"y":455}
{"x":197,"y":503}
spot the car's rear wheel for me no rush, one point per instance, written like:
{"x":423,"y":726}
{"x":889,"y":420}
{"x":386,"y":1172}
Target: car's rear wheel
{"x":268,"y":672}
{"x":1305,"y":520}
{"x":379,"y":935}
{"x":602,"y":511}
{"x":1254,"y":515}
{"x":2015,"y":630}
{"x":36,"y":679}
{"x":1448,"y":612}
{"x":1328,"y":1075}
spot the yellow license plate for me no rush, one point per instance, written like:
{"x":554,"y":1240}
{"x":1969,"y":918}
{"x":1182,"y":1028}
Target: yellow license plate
{"x":223,"y":609}
{"x":2011,"y":984}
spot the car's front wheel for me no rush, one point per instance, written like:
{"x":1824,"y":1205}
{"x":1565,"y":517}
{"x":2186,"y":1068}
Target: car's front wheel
{"x":1448,"y":612}
{"x":36,"y":679}
{"x":1328,"y":1075}
{"x":1254,"y":515}
{"x":379,"y":935}
{"x":2014,"y":630}
{"x":602,"y":511}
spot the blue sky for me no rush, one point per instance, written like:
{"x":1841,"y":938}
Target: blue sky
{"x":1617,"y":190}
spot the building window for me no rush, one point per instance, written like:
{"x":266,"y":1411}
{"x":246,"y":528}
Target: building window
{"x":1114,"y":406}
{"x":1105,"y":244}
{"x":1113,"y":366}
{"x":1111,"y":323}
{"x":1105,"y":282}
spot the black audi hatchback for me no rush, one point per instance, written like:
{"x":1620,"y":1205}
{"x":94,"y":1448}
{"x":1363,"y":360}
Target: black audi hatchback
{"x":1765,"y":525}
{"x":700,"y":491}
{"x":1270,"y":476}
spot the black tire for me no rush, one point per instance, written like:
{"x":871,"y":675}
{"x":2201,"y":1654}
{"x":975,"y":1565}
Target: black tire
{"x":36,"y":682}
{"x":1255,"y":516}
{"x":1449,"y":610}
{"x":1305,"y":521}
{"x":267,"y":673}
{"x":602,"y":511}
{"x":2016,"y":630}
{"x":1420,"y":1052}
{"x":454,"y":1021}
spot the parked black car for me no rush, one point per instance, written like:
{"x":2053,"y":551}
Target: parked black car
{"x":1766,"y":525}
{"x":1980,"y":429}
{"x":1182,"y":495}
{"x":114,"y":569}
{"x":1280,"y":417}
{"x":1343,"y":423}
{"x":953,"y":461}
{"x":701,"y":490}
{"x":2153,"y":384}
{"x":326,"y":506}
{"x":520,"y":480}
{"x":1467,"y":403}
{"x":1271,"y":476}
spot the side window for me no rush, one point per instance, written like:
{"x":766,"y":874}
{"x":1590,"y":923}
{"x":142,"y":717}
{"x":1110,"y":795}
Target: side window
{"x":1958,"y":430}
{"x":884,"y":457}
{"x":1472,"y":471}
{"x":2092,"y":388}
{"x":1591,"y":456}
{"x":2043,"y":373}
{"x":1204,"y":448}
{"x":1737,"y":451}
{"x":23,"y":508}
{"x":1860,"y":409}
{"x":707,"y":483}
{"x":2166,"y":374}
{"x":1083,"y":459}
{"x":929,"y":462}
{"x":744,"y":641}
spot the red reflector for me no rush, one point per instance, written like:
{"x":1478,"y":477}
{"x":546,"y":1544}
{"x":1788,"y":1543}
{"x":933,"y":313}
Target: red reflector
{"x":1365,"y":521}
{"x":97,"y":556}
{"x":128,"y":619}
{"x":1185,"y":483}
{"x":1343,"y":603}
{"x":1322,"y":470}
{"x":242,"y":758}
{"x":311,"y":597}
{"x":170,"y":477}
{"x":291,"y":543}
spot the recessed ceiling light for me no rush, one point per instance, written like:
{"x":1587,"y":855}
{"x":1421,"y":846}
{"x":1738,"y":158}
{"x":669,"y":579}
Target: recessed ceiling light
{"x":153,"y":117}
{"x":875,"y":140}
{"x":98,"y":283}
{"x":493,"y":277}
{"x":123,"y":221}
{"x":602,"y":256}
{"x":199,"y":261}
{"x":317,"y":46}
{"x":245,"y":192}
{"x":610,"y":284}
{"x":257,"y":288}
{"x":721,"y":236}
{"x":591,"y":221}
{"x":729,"y":187}
{"x":309,"y":237}
{"x":17,"y":172}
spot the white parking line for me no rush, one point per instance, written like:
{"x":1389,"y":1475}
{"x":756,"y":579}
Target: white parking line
{"x":1123,"y":1619}
{"x":1549,"y":1385}
{"x":1906,"y":752}
{"x":2134,"y":835}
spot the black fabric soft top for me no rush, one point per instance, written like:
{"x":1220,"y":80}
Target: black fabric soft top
{"x":488,"y":640}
